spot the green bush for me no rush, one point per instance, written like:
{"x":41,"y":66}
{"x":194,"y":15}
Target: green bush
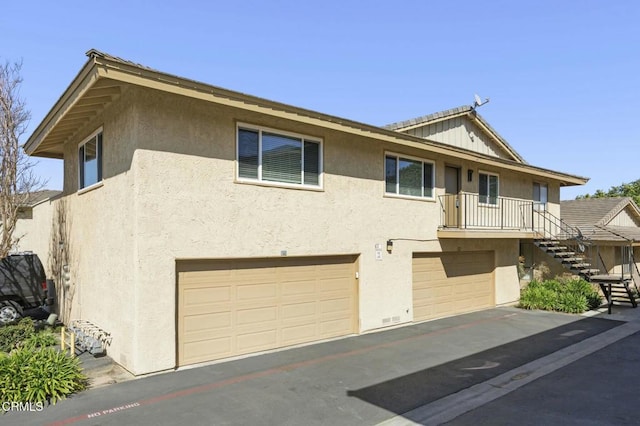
{"x":538,"y":296}
{"x":560,"y":294}
{"x":41,"y":339}
{"x":572,"y":303}
{"x":12,"y":335}
{"x":588,"y":290}
{"x":40,"y":375}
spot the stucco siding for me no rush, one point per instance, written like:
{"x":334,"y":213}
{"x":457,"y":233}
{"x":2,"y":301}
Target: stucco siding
{"x":33,"y":228}
{"x":189,"y":206}
{"x":169,"y":193}
{"x":100,"y":241}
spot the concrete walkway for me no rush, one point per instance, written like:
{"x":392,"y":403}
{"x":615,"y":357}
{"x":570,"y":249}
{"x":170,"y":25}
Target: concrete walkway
{"x":428,"y":373}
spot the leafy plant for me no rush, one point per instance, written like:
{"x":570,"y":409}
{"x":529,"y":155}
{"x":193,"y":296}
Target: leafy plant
{"x":41,"y":339}
{"x":538,"y":296}
{"x":573,"y":303}
{"x":569,"y":295}
{"x":12,"y":335}
{"x":42,"y":375}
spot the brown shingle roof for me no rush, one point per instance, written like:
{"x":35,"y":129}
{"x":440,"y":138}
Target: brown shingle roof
{"x":591,"y":215}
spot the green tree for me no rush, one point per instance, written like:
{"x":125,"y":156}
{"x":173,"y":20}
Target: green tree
{"x":631,"y":189}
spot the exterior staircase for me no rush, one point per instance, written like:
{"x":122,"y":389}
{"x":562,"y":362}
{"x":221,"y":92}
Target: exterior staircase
{"x":615,"y":288}
{"x":567,"y":245}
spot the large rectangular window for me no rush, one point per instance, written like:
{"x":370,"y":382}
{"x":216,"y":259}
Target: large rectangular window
{"x":90,"y":161}
{"x":409,"y":176}
{"x":488,"y":190}
{"x":271,"y":156}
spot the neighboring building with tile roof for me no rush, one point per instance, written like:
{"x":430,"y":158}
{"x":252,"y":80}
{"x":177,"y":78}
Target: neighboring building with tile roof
{"x":612,"y":228}
{"x":604,"y":219}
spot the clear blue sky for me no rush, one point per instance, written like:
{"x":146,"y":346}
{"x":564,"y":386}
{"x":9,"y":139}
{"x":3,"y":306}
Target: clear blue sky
{"x":563,"y":76}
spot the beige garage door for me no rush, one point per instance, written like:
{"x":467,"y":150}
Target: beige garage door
{"x":234,"y":307}
{"x":447,"y":284}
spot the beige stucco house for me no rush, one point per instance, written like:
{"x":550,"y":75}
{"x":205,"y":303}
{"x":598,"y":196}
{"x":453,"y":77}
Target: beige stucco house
{"x":33,"y":226}
{"x":203,"y":224}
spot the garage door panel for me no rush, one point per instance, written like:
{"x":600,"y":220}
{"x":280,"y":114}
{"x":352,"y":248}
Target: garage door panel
{"x":297,"y":288}
{"x":333,"y":285}
{"x":299,"y":333}
{"x":207,"y":322}
{"x":256,"y":341}
{"x":256,"y":291}
{"x":451,"y":283}
{"x":253,"y":305}
{"x":341,"y":305}
{"x":202,"y":350}
{"x":256,"y":315}
{"x":299,"y":310}
{"x":202,"y":296}
{"x":205,"y":277}
{"x":335,"y":327}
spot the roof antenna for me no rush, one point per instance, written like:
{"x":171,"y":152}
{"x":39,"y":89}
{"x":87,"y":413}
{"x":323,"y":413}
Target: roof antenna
{"x":477,"y":102}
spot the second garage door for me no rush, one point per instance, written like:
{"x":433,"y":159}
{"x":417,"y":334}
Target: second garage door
{"x":446,"y":284}
{"x":234,"y":307}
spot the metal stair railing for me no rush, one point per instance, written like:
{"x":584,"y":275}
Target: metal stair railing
{"x":550,"y":227}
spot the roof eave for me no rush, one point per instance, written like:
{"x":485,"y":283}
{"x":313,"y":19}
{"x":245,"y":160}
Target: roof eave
{"x":85,"y":78}
{"x":103,"y":66}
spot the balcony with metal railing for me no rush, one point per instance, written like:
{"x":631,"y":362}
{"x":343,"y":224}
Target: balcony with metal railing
{"x":468,"y":215}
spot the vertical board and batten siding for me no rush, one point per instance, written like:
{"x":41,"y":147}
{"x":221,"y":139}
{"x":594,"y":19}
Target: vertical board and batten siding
{"x":459,"y":132}
{"x":451,"y":283}
{"x":624,"y":218}
{"x":239,"y":306}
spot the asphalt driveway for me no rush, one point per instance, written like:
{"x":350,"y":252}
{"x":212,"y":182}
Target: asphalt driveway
{"x":365,"y":379}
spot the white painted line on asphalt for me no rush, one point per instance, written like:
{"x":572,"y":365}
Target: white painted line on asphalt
{"x":454,"y":405}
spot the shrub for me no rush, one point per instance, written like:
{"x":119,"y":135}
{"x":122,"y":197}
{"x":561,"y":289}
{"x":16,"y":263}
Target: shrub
{"x":572,"y":303}
{"x":41,"y":339}
{"x":572,"y":295}
{"x":11,"y":335}
{"x":42,"y":375}
{"x":537,"y":296}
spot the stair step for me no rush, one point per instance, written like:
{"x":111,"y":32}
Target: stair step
{"x":568,"y":254}
{"x":572,"y":260}
{"x":548,"y":244}
{"x":582,"y":265}
{"x":590,"y":271}
{"x":556,"y":248}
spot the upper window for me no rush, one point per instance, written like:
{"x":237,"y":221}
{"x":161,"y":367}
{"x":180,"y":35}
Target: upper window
{"x":270,"y":156}
{"x":540,"y":195}
{"x":488,"y":190}
{"x":90,"y":160}
{"x":409,"y":176}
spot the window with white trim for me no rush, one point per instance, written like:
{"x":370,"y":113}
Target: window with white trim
{"x":90,"y":161}
{"x":272,"y":156}
{"x":409,"y":176}
{"x":488,"y":189}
